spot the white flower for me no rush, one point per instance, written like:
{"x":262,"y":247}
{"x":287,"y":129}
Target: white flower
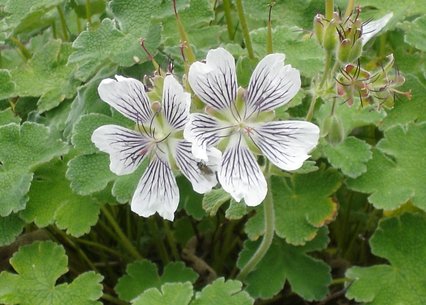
{"x":370,"y":29}
{"x":157,"y":136}
{"x":240,"y":122}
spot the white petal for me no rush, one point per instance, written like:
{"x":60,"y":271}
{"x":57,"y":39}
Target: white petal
{"x":272,"y":84}
{"x":370,"y":29}
{"x":126,"y":148}
{"x":201,"y":174}
{"x":215,"y":81}
{"x":126,"y":95}
{"x":176,"y":103}
{"x":240,"y":175}
{"x":203,"y":131}
{"x":157,"y":191}
{"x":286,"y":144}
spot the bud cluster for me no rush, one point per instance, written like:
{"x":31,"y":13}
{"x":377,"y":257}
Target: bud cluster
{"x":378,"y":87}
{"x":339,"y":36}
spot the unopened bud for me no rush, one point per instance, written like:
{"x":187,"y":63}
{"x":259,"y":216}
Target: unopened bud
{"x":356,"y":51}
{"x":344,"y":50}
{"x":335,"y":132}
{"x":330,"y":36}
{"x":156,"y":106}
{"x":319,"y":28}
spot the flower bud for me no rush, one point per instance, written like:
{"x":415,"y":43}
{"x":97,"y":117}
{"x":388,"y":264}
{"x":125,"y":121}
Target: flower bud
{"x":344,"y":50}
{"x":330,"y":36}
{"x":335,"y":132}
{"x":356,"y":51}
{"x":319,"y":28}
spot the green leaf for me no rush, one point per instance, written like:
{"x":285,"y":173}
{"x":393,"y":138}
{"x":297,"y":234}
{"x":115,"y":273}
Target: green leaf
{"x":47,"y":75}
{"x":124,"y":186}
{"x":307,"y":276}
{"x":415,"y":33}
{"x":171,"y":293}
{"x":7,"y":86}
{"x":142,"y":275}
{"x":51,"y":200}
{"x":350,"y":156}
{"x":28,"y":145}
{"x":402,"y":281}
{"x":301,"y":51}
{"x":10,"y":227}
{"x":89,"y":173}
{"x":84,"y":128}
{"x":14,"y":186}
{"x":22,"y":15}
{"x":406,"y":111}
{"x":213,"y":200}
{"x":304,"y":204}
{"x":392,"y":164}
{"x":8,"y":116}
{"x":221,"y":292}
{"x":236,"y":210}
{"x":38,"y":267}
{"x":400,"y":8}
{"x":22,"y":149}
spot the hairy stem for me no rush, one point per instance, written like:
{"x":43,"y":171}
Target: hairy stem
{"x":63,"y":23}
{"x":244,"y":29}
{"x":269,"y":219}
{"x":88,"y":12}
{"x":329,"y":9}
{"x":311,"y":108}
{"x":121,"y":237}
{"x":349,"y":8}
{"x":228,"y":18}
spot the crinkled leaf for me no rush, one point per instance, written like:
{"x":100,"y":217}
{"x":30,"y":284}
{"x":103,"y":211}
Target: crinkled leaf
{"x":22,"y":15}
{"x":401,"y":8}
{"x":236,"y":210}
{"x":350,"y":156}
{"x":89,"y":173}
{"x":47,"y":75}
{"x":7,"y":86}
{"x":14,"y":186}
{"x":395,"y":174}
{"x":27,"y":146}
{"x":406,"y":111}
{"x":307,"y":276}
{"x":143,"y":275}
{"x":84,"y":128}
{"x":10,"y":227}
{"x":38,"y":267}
{"x":51,"y":200}
{"x":8,"y":116}
{"x":223,"y":292}
{"x":124,"y":186}
{"x":214,"y":199}
{"x":302,"y":51}
{"x":169,"y":293}
{"x":304,"y":204}
{"x":415,"y":33}
{"x":402,"y":281}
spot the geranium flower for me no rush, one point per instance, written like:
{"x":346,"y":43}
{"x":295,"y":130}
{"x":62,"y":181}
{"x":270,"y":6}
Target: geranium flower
{"x":371,"y":28}
{"x":157,"y":136}
{"x":240,"y":121}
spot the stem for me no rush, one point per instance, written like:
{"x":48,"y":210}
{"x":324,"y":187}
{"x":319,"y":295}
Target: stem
{"x":311,"y":108}
{"x":99,"y":246}
{"x":328,"y":58}
{"x":171,"y":240}
{"x":114,"y":300}
{"x":124,"y":241}
{"x":269,"y":33}
{"x":76,"y":248}
{"x":63,"y":22}
{"x":189,"y":54}
{"x":22,"y":48}
{"x":349,"y":8}
{"x":88,"y":12}
{"x":228,"y":18}
{"x":329,"y":9}
{"x":162,"y":251}
{"x":244,"y":29}
{"x":78,"y":23}
{"x":269,"y":219}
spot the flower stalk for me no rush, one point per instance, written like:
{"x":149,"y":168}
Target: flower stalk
{"x":228,"y":18}
{"x":269,"y":49}
{"x":244,"y":29}
{"x":269,"y":220}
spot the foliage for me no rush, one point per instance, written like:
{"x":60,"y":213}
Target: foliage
{"x":348,"y":226}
